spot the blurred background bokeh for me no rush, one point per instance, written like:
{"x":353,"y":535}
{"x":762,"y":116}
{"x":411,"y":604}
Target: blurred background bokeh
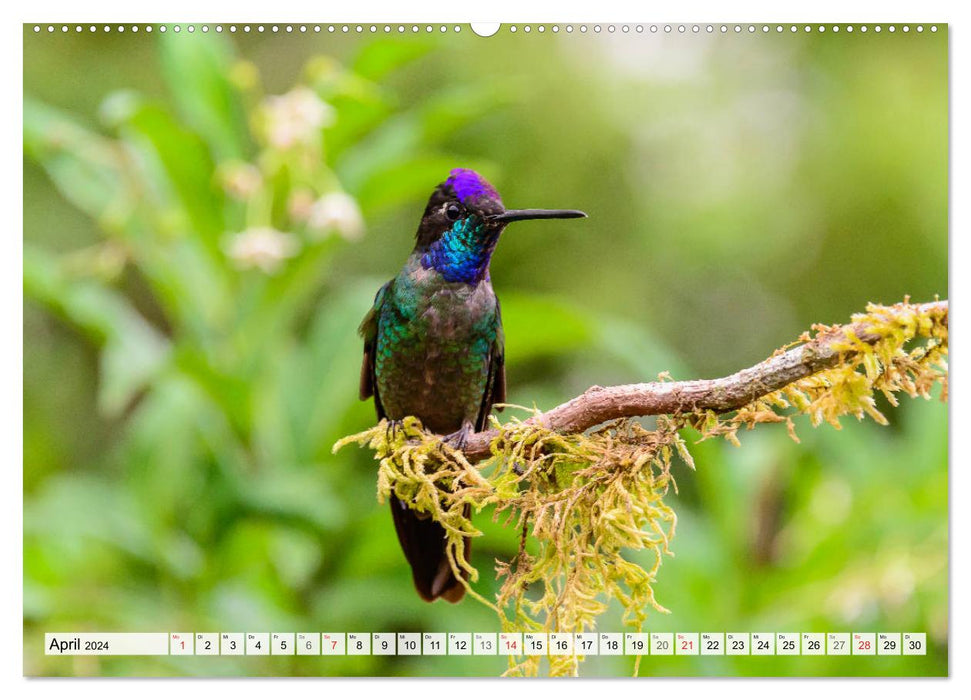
{"x":207,"y":218}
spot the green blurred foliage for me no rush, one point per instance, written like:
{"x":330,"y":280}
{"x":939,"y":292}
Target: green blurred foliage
{"x":183,"y":385}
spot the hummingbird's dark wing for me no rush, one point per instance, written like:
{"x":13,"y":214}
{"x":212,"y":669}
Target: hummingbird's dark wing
{"x":421,"y":538}
{"x":369,"y":331}
{"x":495,"y":391}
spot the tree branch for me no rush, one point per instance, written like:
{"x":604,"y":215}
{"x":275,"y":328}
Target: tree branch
{"x":600,"y":404}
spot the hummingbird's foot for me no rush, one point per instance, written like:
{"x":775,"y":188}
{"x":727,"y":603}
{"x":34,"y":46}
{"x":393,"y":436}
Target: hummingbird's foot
{"x":392,"y":429}
{"x":459,"y":438}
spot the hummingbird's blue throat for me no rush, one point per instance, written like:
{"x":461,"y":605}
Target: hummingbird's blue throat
{"x":462,"y":253}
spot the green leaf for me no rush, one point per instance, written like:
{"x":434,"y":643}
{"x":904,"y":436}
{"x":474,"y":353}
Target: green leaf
{"x":76,"y":507}
{"x":358,"y":114}
{"x":133,"y":351}
{"x":83,"y":165}
{"x":196,"y":68}
{"x":387,"y":161}
{"x":185,"y":164}
{"x":378,"y":58}
{"x":297,"y":493}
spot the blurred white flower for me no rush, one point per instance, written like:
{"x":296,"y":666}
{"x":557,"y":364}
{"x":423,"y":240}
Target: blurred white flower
{"x":339,"y":212}
{"x":296,"y":117}
{"x":299,"y":204}
{"x":240,"y":180}
{"x":264,"y":248}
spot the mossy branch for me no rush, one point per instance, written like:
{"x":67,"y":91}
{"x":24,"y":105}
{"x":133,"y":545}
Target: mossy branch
{"x":831,"y":346}
{"x":589,"y":505}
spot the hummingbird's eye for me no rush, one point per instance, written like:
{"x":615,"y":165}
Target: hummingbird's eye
{"x":453,"y":211}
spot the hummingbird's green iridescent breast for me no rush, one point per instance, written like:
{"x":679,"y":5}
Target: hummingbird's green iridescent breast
{"x":433,"y":346}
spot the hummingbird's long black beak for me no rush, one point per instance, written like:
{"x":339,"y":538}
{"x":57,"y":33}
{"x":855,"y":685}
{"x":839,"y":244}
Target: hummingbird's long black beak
{"x":525,"y":214}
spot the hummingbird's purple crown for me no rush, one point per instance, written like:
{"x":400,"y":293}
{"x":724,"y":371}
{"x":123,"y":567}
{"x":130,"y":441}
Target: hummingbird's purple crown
{"x":469,"y":186}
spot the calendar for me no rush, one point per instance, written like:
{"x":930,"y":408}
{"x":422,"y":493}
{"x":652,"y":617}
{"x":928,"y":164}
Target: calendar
{"x":484,"y":644}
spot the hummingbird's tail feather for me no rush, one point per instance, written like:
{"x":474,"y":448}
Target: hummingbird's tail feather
{"x":423,"y":542}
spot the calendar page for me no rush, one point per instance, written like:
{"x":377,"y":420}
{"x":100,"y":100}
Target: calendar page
{"x":590,"y":349}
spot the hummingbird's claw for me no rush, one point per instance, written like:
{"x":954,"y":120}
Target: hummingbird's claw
{"x":459,"y":438}
{"x":392,"y":429}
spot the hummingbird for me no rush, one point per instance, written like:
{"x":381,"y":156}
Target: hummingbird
{"x":433,"y":346}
